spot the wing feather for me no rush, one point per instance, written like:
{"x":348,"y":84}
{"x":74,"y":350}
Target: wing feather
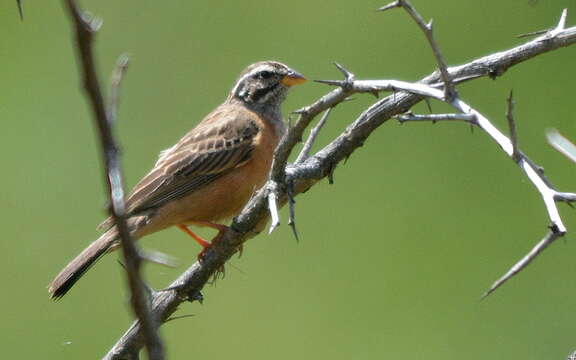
{"x":224,"y":140}
{"x":195,"y":163}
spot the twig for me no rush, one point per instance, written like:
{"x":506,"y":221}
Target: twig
{"x":114,"y":90}
{"x":549,"y":195}
{"x":305,"y":152}
{"x":273,"y":206}
{"x":540,"y":182}
{"x":450,"y":90}
{"x":560,"y":26}
{"x":470,"y":118}
{"x":512,"y":125}
{"x":318,"y":166}
{"x":560,"y":143}
{"x":527,"y":259}
{"x":292,"y":204}
{"x":85,"y":30}
{"x":306,"y":115}
{"x":532,"y":33}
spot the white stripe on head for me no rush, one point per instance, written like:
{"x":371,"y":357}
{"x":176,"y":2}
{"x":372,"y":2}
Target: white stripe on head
{"x":263,"y":67}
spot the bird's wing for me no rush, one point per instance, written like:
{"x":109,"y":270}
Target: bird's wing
{"x":224,"y":140}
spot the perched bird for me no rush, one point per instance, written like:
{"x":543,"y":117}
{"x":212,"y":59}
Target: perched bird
{"x":210,"y":174}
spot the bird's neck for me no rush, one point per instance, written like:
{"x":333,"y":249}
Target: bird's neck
{"x":269,"y":112}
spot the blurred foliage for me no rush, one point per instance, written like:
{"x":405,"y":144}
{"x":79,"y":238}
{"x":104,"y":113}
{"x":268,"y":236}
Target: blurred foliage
{"x":393,"y":257}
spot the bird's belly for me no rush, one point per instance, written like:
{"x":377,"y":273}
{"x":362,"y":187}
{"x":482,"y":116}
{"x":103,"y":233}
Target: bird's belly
{"x":220,"y":200}
{"x":225,"y":197}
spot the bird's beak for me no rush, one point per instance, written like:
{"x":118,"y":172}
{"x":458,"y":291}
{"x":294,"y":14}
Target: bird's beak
{"x":293,"y":78}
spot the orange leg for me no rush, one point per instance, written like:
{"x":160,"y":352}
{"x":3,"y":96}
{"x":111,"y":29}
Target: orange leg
{"x":198,"y":239}
{"x":221,"y":228}
{"x":205,"y":244}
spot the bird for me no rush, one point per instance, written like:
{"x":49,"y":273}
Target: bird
{"x":208,"y":176}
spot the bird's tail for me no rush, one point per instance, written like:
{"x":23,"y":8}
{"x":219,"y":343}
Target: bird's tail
{"x":81,"y":263}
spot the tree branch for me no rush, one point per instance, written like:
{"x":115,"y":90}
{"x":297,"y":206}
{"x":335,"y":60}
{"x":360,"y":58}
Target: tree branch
{"x":305,"y":174}
{"x":85,"y":29}
{"x":450,"y":92}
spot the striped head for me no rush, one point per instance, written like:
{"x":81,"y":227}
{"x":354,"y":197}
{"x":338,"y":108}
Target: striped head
{"x":264,"y":84}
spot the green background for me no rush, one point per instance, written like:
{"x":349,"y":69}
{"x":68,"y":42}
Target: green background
{"x":393,"y":257}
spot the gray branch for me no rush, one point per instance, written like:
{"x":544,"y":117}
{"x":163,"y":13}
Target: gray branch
{"x":303,"y":175}
{"x":450,"y":90}
{"x":85,"y":28}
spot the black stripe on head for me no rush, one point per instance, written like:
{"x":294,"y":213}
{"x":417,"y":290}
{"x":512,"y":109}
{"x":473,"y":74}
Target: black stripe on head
{"x":260,"y":83}
{"x":262,"y":93}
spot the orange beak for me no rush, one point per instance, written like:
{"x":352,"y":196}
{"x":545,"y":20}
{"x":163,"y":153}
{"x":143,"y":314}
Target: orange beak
{"x":293,"y":78}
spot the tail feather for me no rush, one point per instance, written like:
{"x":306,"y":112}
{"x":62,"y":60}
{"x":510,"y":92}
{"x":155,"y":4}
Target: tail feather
{"x":81,"y":263}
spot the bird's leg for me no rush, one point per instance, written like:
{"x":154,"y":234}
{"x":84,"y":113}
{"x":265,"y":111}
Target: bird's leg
{"x":221,"y":229}
{"x":205,"y":244}
{"x":198,"y":239}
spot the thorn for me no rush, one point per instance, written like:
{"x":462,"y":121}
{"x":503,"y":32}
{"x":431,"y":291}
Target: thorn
{"x":347,"y":74}
{"x":562,"y":23}
{"x":196,"y":295}
{"x":292,"y":203}
{"x":292,"y":225}
{"x":428,"y":104}
{"x":179,"y":317}
{"x":20,"y":9}
{"x":300,"y":111}
{"x":512,"y":125}
{"x":533,"y":33}
{"x":332,"y":82}
{"x":331,"y":175}
{"x":550,"y":237}
{"x":346,"y":159}
{"x":392,"y":5}
{"x":494,"y":73}
{"x":273,"y":207}
{"x":121,"y":264}
{"x":93,"y":23}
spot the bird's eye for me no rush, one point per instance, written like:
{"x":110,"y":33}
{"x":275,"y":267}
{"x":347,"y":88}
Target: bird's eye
{"x":266,"y":74}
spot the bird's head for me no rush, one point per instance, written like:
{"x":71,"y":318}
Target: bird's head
{"x":265,"y":84}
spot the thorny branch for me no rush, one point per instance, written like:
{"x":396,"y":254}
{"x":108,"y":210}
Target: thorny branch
{"x":549,"y":194}
{"x":305,"y":152}
{"x":301,"y":176}
{"x":85,"y":28}
{"x":450,"y":91}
